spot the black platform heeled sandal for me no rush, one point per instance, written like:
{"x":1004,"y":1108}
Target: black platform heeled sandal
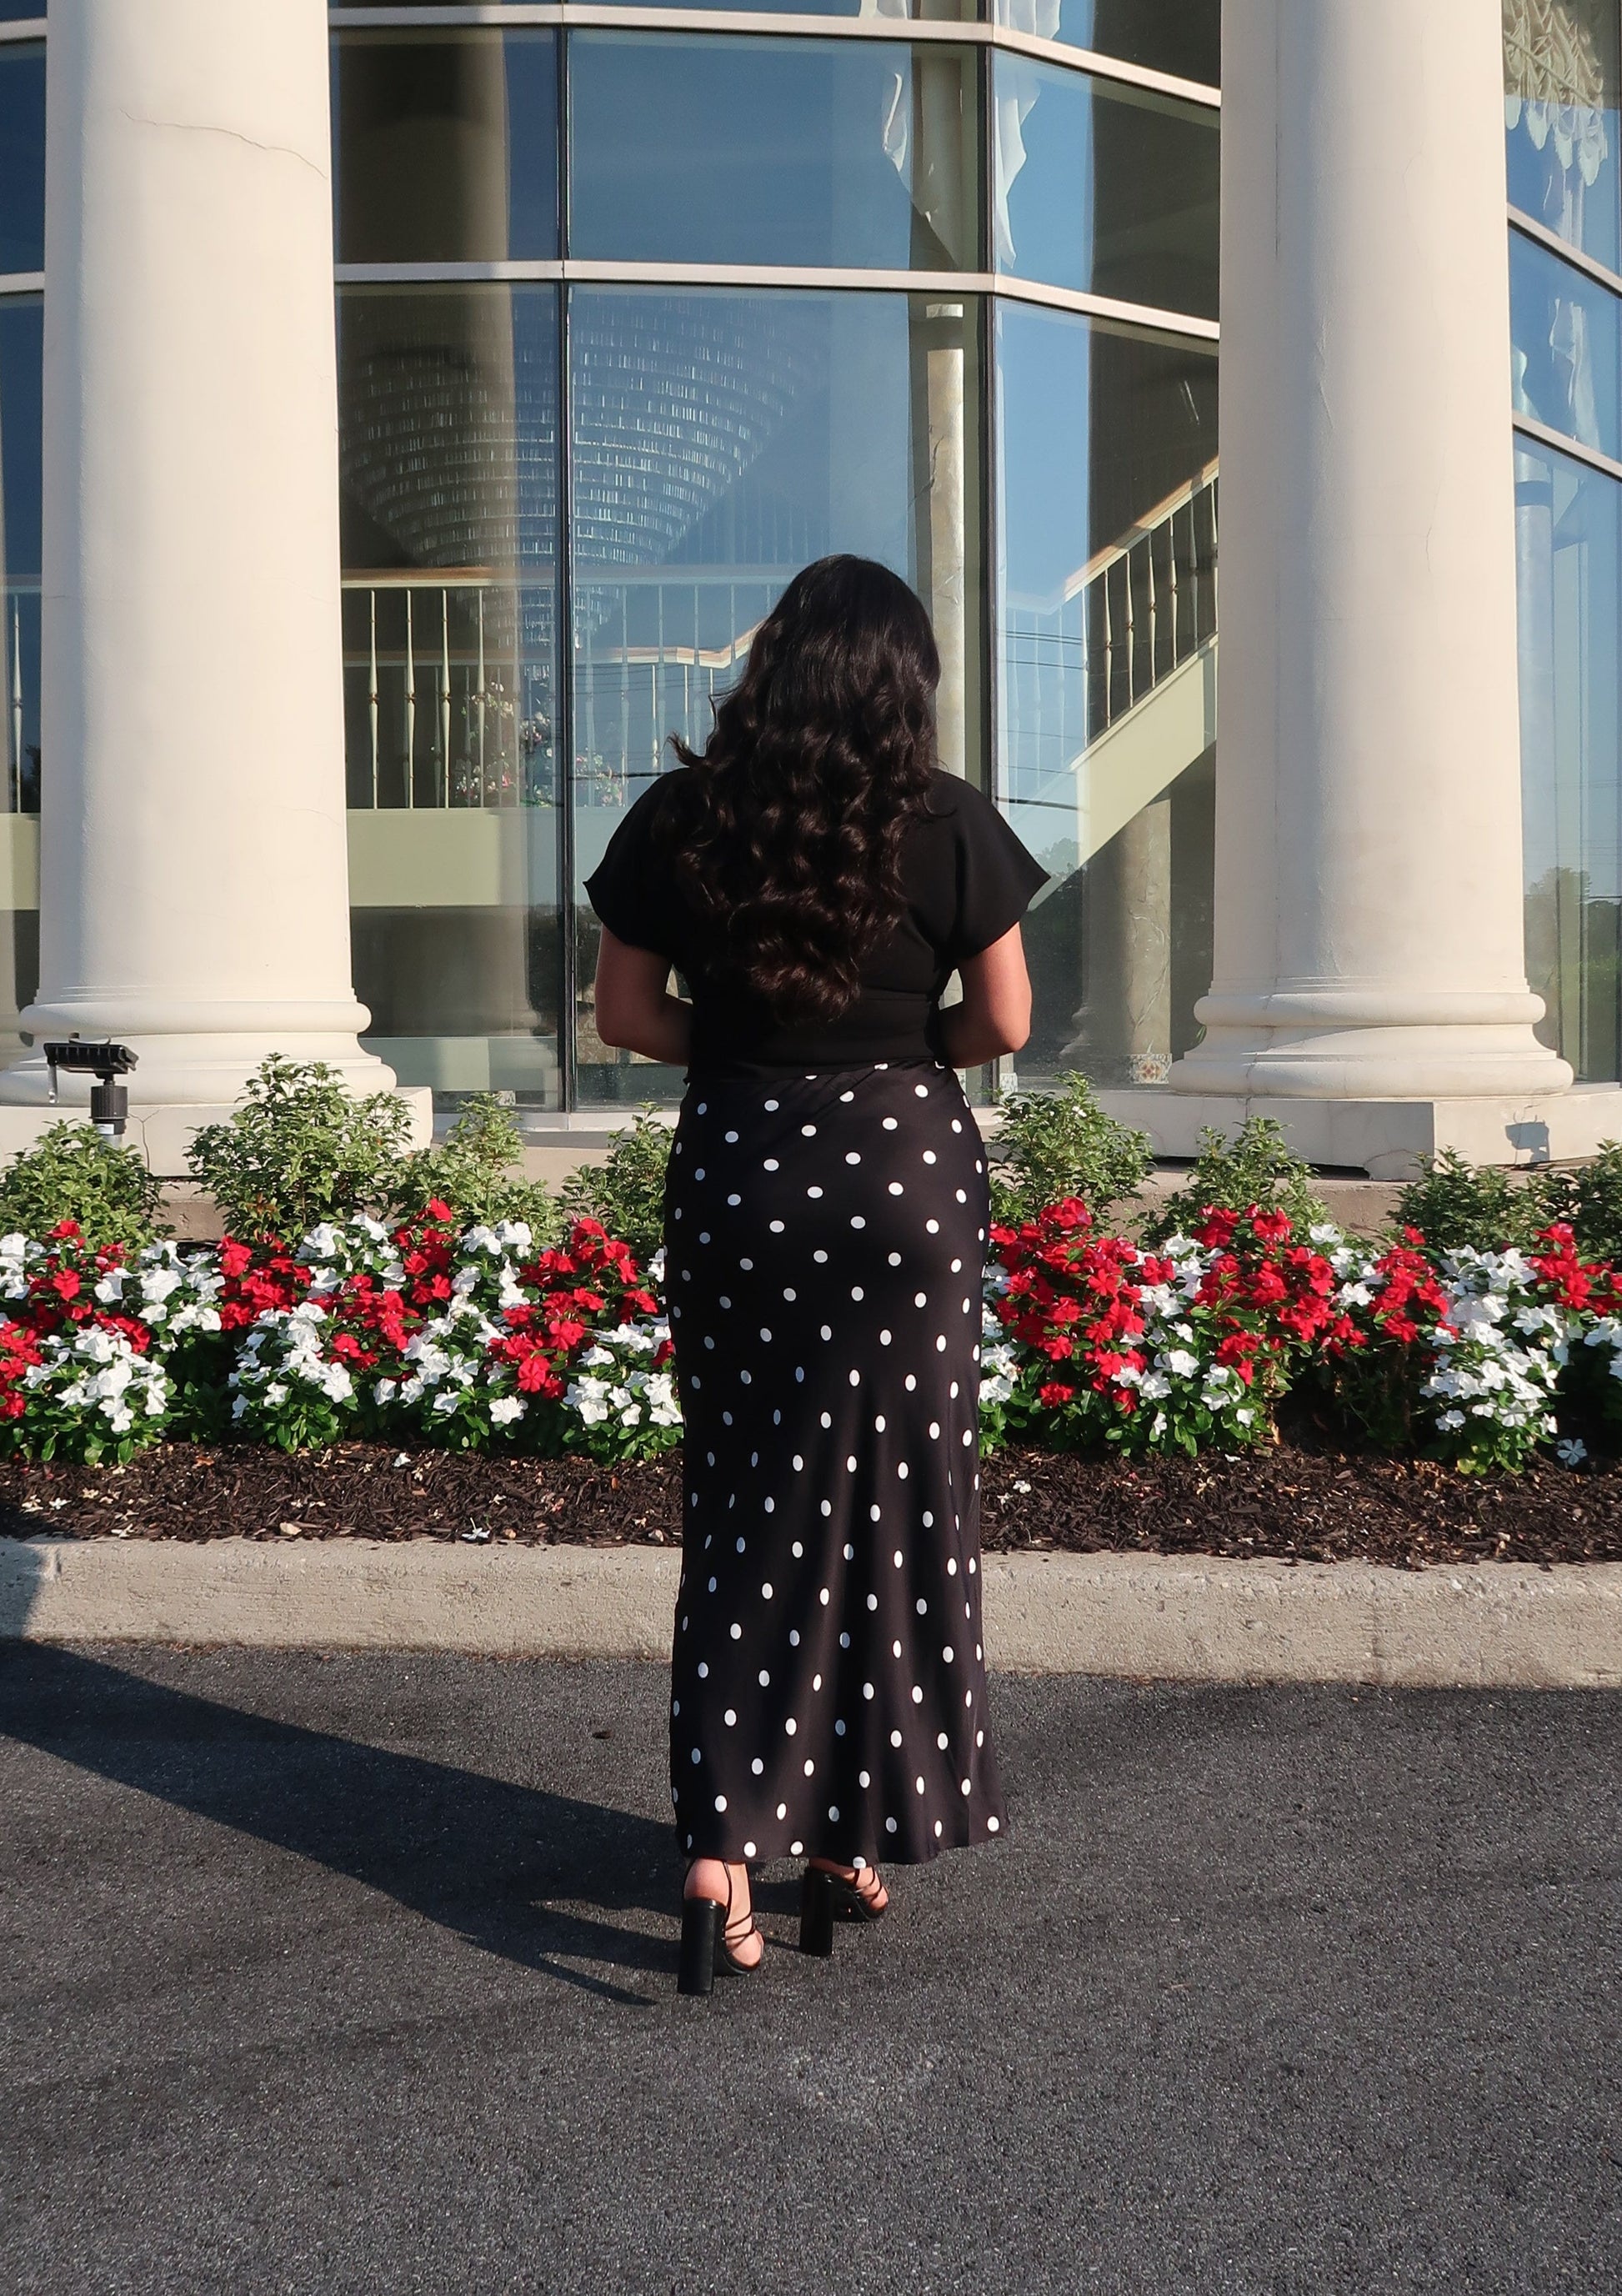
{"x":710,"y":1939}
{"x":826,"y":1897}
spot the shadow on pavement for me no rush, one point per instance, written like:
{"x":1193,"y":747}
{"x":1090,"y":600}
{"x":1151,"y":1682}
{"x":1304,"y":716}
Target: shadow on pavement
{"x":21,"y":1566}
{"x":475,"y":1854}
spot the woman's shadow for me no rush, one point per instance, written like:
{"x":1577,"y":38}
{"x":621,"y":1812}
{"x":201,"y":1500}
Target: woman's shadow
{"x":475,"y":1854}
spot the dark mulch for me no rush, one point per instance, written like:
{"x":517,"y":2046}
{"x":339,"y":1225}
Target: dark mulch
{"x":1300,"y":1504}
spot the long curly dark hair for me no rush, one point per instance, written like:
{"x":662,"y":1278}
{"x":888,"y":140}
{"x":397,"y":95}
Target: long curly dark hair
{"x":786,"y":835}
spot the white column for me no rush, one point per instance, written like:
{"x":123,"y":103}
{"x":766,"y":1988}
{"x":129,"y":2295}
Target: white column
{"x":194,"y":884}
{"x":1368,"y":921}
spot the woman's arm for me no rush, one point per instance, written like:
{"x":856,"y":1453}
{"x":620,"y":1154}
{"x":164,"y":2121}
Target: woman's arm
{"x":994,"y":1015}
{"x":635,"y":1009}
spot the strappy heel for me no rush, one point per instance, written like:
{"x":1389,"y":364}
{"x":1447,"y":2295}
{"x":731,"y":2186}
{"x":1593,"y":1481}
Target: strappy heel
{"x":710,"y":1940}
{"x":825,"y":1898}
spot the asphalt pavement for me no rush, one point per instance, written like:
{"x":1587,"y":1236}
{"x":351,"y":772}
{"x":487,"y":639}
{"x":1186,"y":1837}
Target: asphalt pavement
{"x":357,"y":1973}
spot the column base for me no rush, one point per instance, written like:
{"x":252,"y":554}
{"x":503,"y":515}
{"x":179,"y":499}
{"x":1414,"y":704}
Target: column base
{"x":1387,"y":1137}
{"x":195,"y":1054}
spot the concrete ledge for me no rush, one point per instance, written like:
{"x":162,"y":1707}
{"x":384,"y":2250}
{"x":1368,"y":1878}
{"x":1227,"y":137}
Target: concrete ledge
{"x":1500,"y":1625}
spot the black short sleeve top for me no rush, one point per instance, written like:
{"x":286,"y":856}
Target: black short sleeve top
{"x":966,"y":877}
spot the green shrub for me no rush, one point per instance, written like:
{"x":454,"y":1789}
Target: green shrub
{"x":1256,"y":1166}
{"x":1457,"y":1205}
{"x":472,"y":1170}
{"x":299,"y":1149}
{"x":1590,"y":1198}
{"x":627,"y":1193}
{"x":72,"y":1173}
{"x":1050,"y":1145}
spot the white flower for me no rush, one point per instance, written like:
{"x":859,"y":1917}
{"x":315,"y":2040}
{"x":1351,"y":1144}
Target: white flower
{"x":505,"y":1408}
{"x":1179,"y":1361}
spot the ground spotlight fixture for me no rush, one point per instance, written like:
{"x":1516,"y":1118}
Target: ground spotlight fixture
{"x":107,"y":1062}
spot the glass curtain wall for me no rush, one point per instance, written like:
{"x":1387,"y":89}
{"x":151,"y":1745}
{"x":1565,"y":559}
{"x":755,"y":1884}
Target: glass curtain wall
{"x":1562,"y":133}
{"x":571,"y":492}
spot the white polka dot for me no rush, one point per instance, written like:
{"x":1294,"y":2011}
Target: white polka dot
{"x":922,"y":1090}
{"x":848,"y":1095}
{"x":748,"y":1850}
{"x":737,"y":1633}
{"x":808,"y":1131}
{"x":931,"y":1227}
{"x":793,"y":1637}
{"x":851,"y":1156}
{"x":920,"y":1606}
{"x":795,"y":1848}
{"x":867,"y":1690}
{"x":889,"y":1827}
{"x":822,"y":1598}
{"x":833,"y":1812}
{"x":766,"y":1591}
{"x":873,"y":1601}
{"x":917,"y":1695}
{"x":720,"y":1801}
{"x":855,"y":1379}
{"x":921,"y":1785}
{"x":731,"y":1719}
{"x":810,"y":1769}
{"x":776,"y":1227}
{"x":762,"y":1678}
{"x":757,"y":1766}
{"x":839,"y":1729}
{"x":863,"y":1779}
{"x":896,"y":1189}
{"x":941,"y":1742}
{"x":902,"y":1470}
{"x":934,"y":1431}
{"x":734,"y":1200}
{"x":874,"y":1513}
{"x":703,"y":1670}
{"x":884,"y":1338}
{"x":696,"y":1755}
{"x":992,"y":1825}
{"x":898,"y":1558}
{"x":947,"y":1653}
{"x":814,"y":1192}
{"x":771,"y":1104}
{"x":850,"y":1554}
{"x":791,"y":1726}
{"x":938,"y":1829}
{"x":895,"y":1737}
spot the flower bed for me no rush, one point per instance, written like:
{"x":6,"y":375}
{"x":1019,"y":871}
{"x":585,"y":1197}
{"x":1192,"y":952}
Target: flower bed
{"x":479,"y":1338}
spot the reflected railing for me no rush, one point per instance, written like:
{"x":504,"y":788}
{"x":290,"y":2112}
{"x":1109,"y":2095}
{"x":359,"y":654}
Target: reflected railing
{"x":1137,"y":611}
{"x":448,"y":691}
{"x":19,"y":687}
{"x":659,"y":646}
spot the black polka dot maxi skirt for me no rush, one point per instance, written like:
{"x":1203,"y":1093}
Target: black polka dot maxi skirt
{"x":824,"y":1243}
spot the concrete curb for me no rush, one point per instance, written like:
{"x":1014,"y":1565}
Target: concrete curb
{"x":1501,"y":1626}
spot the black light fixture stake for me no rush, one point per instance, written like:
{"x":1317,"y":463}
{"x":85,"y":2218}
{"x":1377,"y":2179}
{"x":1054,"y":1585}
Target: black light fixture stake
{"x":107,"y":1062}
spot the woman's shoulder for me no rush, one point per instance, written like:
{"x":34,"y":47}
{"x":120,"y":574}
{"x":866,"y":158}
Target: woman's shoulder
{"x":954,"y":803}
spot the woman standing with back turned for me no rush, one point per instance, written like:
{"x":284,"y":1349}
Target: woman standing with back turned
{"x":816,"y":879}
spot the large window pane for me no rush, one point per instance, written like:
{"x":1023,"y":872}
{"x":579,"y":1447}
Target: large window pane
{"x":1568,"y":528}
{"x":23,"y":158}
{"x":1184,"y":36}
{"x":1104,"y":187}
{"x":1105,"y":604}
{"x":449,"y":472}
{"x":445,"y":146}
{"x":721,"y":441}
{"x":792,"y":152}
{"x":1560,"y":81}
{"x":1566,"y":335}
